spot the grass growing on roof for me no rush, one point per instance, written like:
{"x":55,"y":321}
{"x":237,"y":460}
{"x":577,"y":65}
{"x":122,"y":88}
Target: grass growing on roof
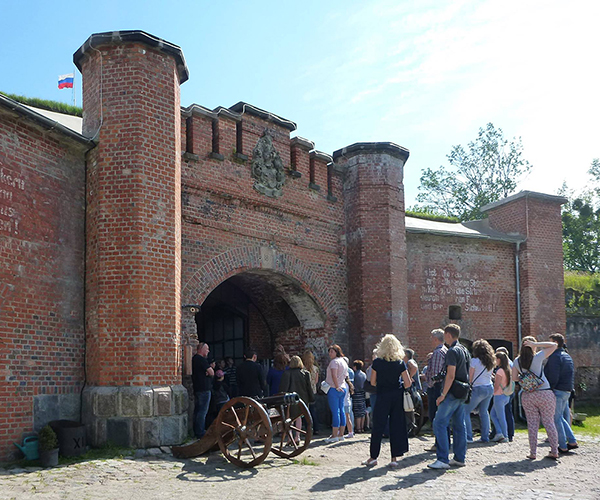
{"x":59,"y":107}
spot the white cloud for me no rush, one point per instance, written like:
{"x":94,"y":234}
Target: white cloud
{"x":429,"y":74}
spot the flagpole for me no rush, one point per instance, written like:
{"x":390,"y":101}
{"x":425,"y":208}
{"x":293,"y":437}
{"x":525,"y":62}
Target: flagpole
{"x":74,"y":101}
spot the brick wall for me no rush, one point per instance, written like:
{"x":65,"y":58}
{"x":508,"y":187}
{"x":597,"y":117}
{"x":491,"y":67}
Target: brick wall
{"x":376,"y":242}
{"x":537,"y":217}
{"x":230,"y":228}
{"x":133,"y":258}
{"x":41,"y":279}
{"x":476,"y":275}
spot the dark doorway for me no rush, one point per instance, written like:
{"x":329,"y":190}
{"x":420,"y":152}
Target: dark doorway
{"x":225,"y":332}
{"x":495,"y":343}
{"x":223,"y":322}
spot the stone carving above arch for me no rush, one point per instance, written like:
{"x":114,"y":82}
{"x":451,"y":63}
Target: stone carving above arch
{"x":297,"y":283}
{"x":267,"y":167}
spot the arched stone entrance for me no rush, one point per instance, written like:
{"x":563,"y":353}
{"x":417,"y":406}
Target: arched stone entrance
{"x":259,"y":297}
{"x":258,"y":308}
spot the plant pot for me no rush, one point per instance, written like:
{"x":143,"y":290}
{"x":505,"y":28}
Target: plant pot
{"x":49,"y":458}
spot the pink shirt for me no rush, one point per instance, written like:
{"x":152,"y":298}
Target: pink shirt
{"x":342,"y":371}
{"x":499,"y":382}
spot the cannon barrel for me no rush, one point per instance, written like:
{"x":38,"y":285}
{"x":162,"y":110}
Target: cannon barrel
{"x":290,"y":398}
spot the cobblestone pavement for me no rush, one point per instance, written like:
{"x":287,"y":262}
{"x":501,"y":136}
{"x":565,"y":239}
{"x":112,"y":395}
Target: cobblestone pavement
{"x":493,"y":471}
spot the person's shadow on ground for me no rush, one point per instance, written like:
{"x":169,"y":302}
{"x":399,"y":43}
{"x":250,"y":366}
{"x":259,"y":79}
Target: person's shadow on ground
{"x":518,"y":468}
{"x":363,"y":473}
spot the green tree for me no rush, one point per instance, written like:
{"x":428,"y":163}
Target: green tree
{"x":487,"y":170}
{"x":581,"y":225}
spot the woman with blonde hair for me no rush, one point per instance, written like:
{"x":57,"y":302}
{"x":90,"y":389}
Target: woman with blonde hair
{"x":388,"y":368}
{"x":308,"y":359}
{"x":539,"y":403}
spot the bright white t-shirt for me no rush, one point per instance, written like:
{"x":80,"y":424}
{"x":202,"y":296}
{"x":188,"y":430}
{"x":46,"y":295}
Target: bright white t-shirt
{"x":482,"y":374}
{"x":536,"y":367}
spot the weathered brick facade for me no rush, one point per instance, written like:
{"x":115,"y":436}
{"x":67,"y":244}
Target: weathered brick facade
{"x":42,"y":245}
{"x":159,"y":223}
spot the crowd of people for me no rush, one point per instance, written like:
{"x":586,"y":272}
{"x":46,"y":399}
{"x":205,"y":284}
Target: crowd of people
{"x":457,"y":382}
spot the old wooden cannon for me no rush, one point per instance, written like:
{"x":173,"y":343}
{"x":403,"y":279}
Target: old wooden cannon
{"x":247,"y":429}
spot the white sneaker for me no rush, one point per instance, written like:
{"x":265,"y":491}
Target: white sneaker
{"x":438,"y":465}
{"x":349,"y":435}
{"x":456,"y":463}
{"x":498,"y":438}
{"x":332,"y":439}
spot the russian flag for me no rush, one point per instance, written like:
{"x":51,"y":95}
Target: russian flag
{"x":65,"y":81}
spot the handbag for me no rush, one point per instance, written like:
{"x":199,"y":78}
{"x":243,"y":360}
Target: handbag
{"x":509,"y":389}
{"x":409,"y":405}
{"x":529,"y":381}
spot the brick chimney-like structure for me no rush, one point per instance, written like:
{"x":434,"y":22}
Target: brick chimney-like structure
{"x":131,"y":107}
{"x":537,"y":217}
{"x":376,"y":242}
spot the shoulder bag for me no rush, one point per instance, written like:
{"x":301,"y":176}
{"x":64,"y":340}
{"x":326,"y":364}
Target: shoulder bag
{"x":509,"y":389}
{"x":408,"y":401}
{"x":460,"y":389}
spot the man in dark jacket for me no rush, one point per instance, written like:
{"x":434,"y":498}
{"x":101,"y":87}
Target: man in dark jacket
{"x":250,"y":378}
{"x":560,"y":373}
{"x":202,"y":374}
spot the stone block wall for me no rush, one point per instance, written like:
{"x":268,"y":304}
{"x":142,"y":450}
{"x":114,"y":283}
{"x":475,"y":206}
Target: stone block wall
{"x":138,"y":417}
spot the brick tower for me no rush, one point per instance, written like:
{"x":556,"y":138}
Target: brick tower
{"x":376,"y":242}
{"x":131,"y":108}
{"x":537,"y":217}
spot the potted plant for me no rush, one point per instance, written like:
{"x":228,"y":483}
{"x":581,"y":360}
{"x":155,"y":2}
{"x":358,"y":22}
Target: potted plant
{"x":48,"y":446}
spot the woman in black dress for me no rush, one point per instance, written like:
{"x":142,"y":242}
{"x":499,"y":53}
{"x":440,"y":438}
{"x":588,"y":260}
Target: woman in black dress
{"x":388,"y":368}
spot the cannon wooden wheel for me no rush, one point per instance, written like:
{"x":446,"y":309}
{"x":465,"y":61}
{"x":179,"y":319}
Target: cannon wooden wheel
{"x":244,"y":432}
{"x":293,"y":437}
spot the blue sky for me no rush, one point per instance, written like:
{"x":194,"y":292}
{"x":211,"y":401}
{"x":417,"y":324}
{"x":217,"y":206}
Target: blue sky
{"x":423,"y":74}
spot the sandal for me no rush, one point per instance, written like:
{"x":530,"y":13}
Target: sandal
{"x":371,"y":462}
{"x":550,"y":456}
{"x":531,"y":457}
{"x":394,"y":465}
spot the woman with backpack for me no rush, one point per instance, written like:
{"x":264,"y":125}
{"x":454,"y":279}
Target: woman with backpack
{"x":503,"y":388}
{"x":537,"y":399}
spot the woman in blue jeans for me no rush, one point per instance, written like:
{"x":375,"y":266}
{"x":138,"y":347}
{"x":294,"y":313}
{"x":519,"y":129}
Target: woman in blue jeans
{"x":480,"y":376}
{"x":501,"y":381}
{"x":337,"y":371}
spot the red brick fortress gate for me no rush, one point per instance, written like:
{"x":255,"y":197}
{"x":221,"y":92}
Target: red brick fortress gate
{"x":123,"y":242}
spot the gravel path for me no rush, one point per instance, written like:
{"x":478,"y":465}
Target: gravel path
{"x":493,"y":471}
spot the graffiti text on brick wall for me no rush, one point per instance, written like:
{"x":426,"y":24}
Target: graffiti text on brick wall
{"x":443,"y":286}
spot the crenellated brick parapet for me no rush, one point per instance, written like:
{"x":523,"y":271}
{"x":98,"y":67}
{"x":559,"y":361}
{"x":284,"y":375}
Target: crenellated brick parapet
{"x":231,"y":134}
